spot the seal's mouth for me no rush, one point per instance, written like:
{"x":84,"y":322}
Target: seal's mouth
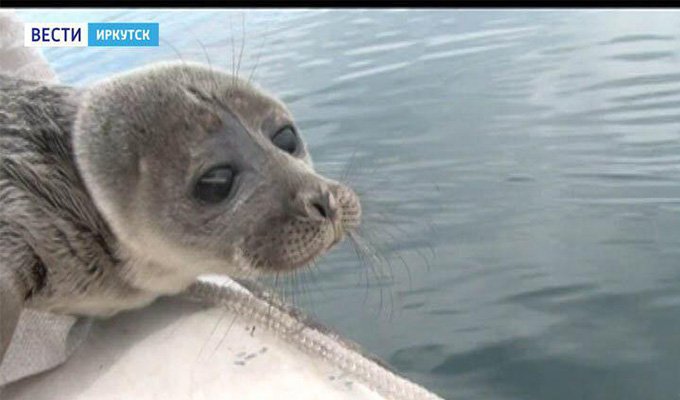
{"x":335,"y":232}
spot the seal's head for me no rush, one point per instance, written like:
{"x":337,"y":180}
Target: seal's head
{"x":198,"y":171}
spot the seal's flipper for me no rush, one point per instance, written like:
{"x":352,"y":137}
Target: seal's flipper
{"x":11,"y":304}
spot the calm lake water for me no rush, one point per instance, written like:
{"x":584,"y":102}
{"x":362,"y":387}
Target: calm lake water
{"x":520,"y":172}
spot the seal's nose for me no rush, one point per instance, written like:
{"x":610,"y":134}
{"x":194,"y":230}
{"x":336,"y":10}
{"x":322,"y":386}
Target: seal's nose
{"x":325,"y":205}
{"x":318,"y":205}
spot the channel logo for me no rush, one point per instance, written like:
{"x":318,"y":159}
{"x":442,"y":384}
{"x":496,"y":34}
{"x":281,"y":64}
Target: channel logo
{"x":93,"y":34}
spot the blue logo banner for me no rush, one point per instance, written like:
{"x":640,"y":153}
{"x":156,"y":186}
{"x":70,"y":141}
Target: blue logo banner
{"x":131,"y":34}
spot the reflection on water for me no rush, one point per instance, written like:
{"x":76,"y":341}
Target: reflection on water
{"x":520,"y":173}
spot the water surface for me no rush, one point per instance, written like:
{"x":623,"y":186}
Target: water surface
{"x":520,"y":173}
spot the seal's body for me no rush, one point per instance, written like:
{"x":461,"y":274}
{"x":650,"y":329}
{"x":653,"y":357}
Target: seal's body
{"x":60,"y":250}
{"x":130,"y":189}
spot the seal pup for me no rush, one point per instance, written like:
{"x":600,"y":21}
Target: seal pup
{"x":116,"y":194}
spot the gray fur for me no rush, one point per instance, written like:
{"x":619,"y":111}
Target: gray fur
{"x":61,"y":249}
{"x":96,"y":213}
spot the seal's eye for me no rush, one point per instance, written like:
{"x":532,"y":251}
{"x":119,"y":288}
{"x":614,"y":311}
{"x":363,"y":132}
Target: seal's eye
{"x":215,"y":185}
{"x":286,"y":140}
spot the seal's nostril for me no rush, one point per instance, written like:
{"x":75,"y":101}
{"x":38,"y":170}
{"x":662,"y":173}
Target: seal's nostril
{"x":325,"y":205}
{"x":321,"y":209}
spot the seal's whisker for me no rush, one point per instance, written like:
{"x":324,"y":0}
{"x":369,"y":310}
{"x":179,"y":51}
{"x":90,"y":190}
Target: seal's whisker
{"x":367,"y":241}
{"x":177,"y":53}
{"x":370,"y":192}
{"x":233,"y":50}
{"x":224,"y":336}
{"x":416,"y":249}
{"x":207,"y":58}
{"x":397,"y":253}
{"x":285,"y":285}
{"x":231,"y":324}
{"x":364,"y":256}
{"x":384,"y":263}
{"x":295,"y":287}
{"x":291,"y":286}
{"x":296,"y":294}
{"x":275,"y":290}
{"x":306,"y":297}
{"x":212,"y":332}
{"x":364,"y":271}
{"x":349,"y":166}
{"x":376,"y":265}
{"x":312,"y":269}
{"x":356,"y":166}
{"x":380,"y":219}
{"x":265,"y":36}
{"x":243,"y":42}
{"x":390,"y":222}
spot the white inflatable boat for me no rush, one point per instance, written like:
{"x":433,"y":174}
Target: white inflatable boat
{"x":220,"y":341}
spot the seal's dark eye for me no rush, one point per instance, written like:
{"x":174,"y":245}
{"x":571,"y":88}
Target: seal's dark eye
{"x":286,"y":140}
{"x":215,"y":185}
